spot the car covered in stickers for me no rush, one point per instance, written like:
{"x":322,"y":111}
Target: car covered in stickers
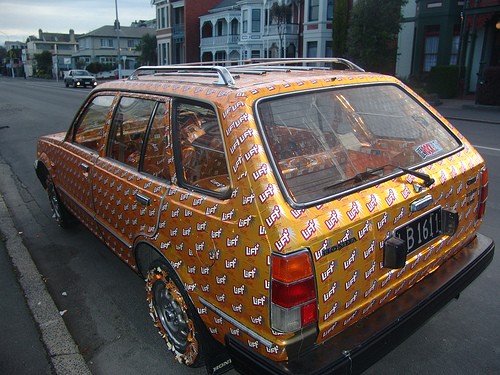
{"x":288,"y":216}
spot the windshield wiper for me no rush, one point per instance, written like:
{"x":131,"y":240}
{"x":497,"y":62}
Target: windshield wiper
{"x":362,"y":176}
{"x":428,"y":180}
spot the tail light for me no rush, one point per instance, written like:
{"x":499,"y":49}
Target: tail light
{"x":483,"y":193}
{"x":293,"y":292}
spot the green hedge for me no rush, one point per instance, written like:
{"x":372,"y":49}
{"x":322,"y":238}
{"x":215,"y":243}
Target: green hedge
{"x":443,"y":81}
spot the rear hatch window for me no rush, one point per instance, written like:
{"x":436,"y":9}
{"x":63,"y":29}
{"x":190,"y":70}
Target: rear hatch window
{"x":335,"y":141}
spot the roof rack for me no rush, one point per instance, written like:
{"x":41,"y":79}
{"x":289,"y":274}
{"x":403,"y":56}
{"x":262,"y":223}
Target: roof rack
{"x":224,"y":76}
{"x":221,"y":73}
{"x":292,"y":63}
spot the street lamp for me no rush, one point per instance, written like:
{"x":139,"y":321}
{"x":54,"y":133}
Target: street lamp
{"x":117,"y":28}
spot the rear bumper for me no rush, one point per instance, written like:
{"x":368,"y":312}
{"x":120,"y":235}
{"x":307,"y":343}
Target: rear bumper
{"x":361,"y":345}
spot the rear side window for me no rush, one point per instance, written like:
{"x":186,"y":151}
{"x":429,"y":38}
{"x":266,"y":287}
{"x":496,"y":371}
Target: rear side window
{"x":201,"y":151}
{"x":156,"y":154}
{"x":89,"y":130}
{"x":128,"y":130}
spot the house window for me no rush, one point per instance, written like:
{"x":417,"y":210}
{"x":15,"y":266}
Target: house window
{"x":431,"y":47}
{"x":107,"y":60}
{"x":313,"y":10}
{"x":245,"y":21}
{"x":83,"y":43}
{"x":162,"y":19}
{"x":164,"y":56}
{"x":312,"y":49}
{"x":329,"y":10}
{"x":255,"y":20}
{"x":107,"y":43}
{"x":255,"y":54}
{"x":219,"y":28}
{"x":328,"y":49}
{"x":234,"y":27}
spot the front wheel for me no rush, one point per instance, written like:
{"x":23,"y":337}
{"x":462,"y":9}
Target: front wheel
{"x":173,"y":314}
{"x":59,"y":213}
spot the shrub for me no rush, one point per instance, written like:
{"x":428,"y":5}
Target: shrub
{"x":488,"y":89}
{"x":443,"y":80}
{"x":95,"y":67}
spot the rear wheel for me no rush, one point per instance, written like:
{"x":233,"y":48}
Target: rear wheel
{"x":174,"y":314}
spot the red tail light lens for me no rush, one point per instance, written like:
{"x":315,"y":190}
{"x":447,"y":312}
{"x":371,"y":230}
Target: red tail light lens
{"x":293,"y":292}
{"x":290,"y":295}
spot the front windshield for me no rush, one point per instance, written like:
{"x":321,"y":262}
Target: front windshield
{"x":81,"y":73}
{"x":324,"y":142}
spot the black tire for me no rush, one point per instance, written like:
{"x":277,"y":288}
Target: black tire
{"x":174,"y":315}
{"x":59,"y":213}
{"x":66,"y":83}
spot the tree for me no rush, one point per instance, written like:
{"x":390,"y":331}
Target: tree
{"x":95,"y":67}
{"x":147,"y":48}
{"x":43,"y":63}
{"x":3,"y":59}
{"x":373,"y":32}
{"x":280,"y":16}
{"x":80,"y":63}
{"x":3,"y":53}
{"x":340,"y":21}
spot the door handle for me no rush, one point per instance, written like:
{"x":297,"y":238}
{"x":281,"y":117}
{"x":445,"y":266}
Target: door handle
{"x":84,"y":166}
{"x":142,"y":199}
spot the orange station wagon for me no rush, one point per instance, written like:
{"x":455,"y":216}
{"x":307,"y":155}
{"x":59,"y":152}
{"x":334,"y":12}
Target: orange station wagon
{"x":290,"y":216}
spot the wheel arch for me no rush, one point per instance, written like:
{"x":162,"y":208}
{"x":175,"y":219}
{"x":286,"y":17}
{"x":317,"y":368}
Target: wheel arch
{"x":41,"y":170}
{"x":145,"y":254}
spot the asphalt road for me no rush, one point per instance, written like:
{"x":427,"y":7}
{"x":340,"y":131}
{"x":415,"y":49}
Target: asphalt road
{"x":103,"y":301}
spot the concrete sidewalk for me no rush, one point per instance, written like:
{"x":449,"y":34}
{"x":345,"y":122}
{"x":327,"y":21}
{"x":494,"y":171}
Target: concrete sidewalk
{"x":467,"y":110}
{"x":34,"y":338}
{"x":20,"y":343}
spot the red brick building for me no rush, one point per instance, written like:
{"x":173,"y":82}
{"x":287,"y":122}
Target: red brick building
{"x":178,"y":29}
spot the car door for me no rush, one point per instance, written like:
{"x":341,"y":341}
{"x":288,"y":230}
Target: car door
{"x":81,"y":149}
{"x":128,"y":188}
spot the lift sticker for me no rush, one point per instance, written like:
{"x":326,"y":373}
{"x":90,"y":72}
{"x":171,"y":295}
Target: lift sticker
{"x":428,"y":149}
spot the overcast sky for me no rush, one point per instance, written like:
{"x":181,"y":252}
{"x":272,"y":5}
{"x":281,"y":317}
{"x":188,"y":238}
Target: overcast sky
{"x":22,"y":18}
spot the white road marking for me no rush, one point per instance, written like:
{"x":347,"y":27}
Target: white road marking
{"x":487,"y":148}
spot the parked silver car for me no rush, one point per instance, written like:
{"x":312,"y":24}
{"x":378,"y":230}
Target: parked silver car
{"x":79,"y":78}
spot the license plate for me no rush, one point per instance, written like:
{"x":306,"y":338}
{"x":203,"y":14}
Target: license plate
{"x":421,"y":230}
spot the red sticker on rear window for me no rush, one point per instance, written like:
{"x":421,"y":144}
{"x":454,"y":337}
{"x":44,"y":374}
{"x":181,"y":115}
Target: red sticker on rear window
{"x":428,"y":149}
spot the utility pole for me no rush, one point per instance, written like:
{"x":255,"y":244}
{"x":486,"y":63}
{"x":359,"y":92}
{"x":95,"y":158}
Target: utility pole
{"x":117,"y":28}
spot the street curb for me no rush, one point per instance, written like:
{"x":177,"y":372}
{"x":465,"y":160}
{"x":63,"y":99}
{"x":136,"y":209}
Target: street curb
{"x":61,"y":348}
{"x":472,"y":120}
